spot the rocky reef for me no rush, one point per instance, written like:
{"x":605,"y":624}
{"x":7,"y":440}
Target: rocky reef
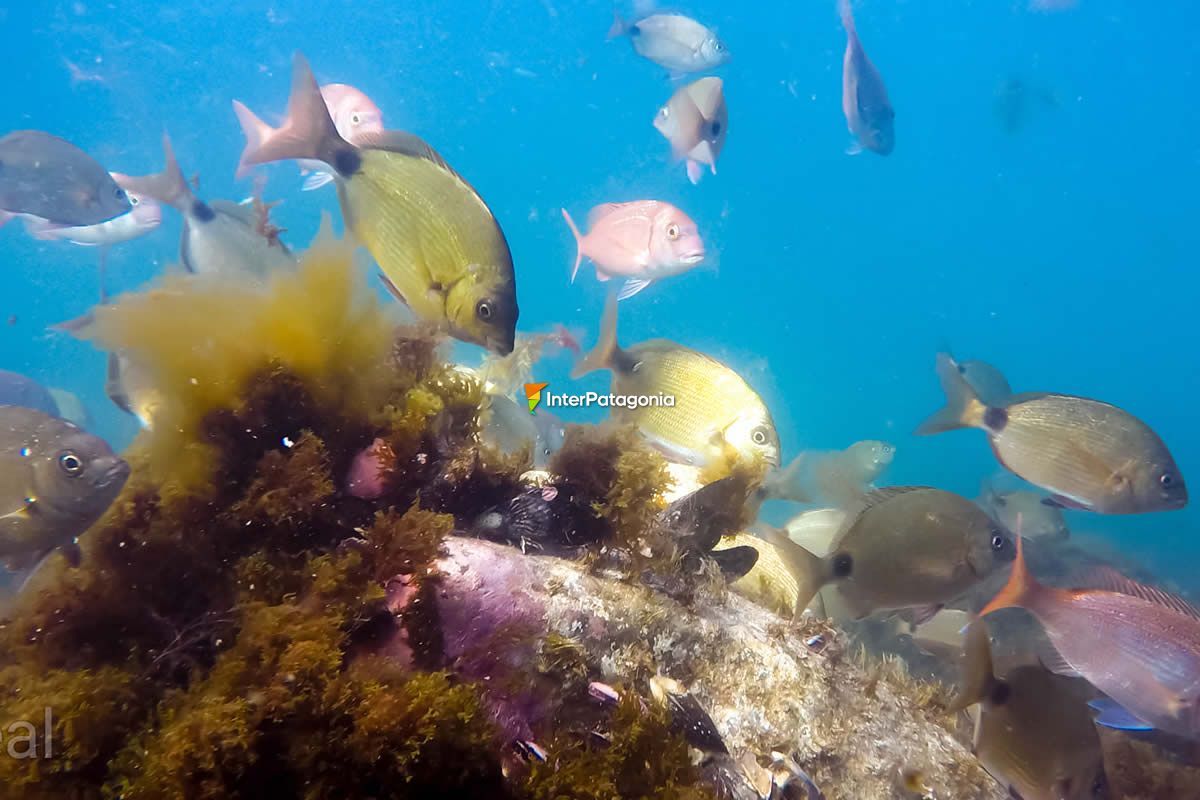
{"x":242,"y":626}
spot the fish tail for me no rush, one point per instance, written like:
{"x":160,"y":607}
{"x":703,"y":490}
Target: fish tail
{"x":619,"y":27}
{"x":308,"y":131}
{"x":168,"y":186}
{"x":603,"y":354}
{"x":809,"y":570}
{"x":978,"y":674}
{"x":256,"y":132}
{"x":1021,"y":588}
{"x":963,"y":407}
{"x":847,"y":15}
{"x":578,"y":244}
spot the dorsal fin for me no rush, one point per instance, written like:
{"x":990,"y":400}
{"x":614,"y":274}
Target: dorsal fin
{"x":601,"y":211}
{"x":408,"y":144}
{"x":1110,"y":580}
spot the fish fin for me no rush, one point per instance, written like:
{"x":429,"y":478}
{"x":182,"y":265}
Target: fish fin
{"x":694,"y":172}
{"x":315,"y":181}
{"x":847,"y":16}
{"x":1053,"y":661}
{"x":5,"y":217}
{"x":675,"y":76}
{"x":168,"y":186}
{"x":922,"y":614}
{"x":578,"y":244}
{"x":601,"y":211}
{"x":307,"y":132}
{"x":239,"y":211}
{"x":1062,"y":501}
{"x":74,"y":326}
{"x":1021,"y":586}
{"x":42,"y":229}
{"x":978,"y":673}
{"x":1111,"y":580}
{"x":393,"y":290}
{"x":963,"y":408}
{"x":632,"y":287}
{"x":785,"y":484}
{"x":348,"y":217}
{"x":618,"y":28}
{"x":809,"y":570}
{"x":406,"y":144}
{"x":1114,"y":715}
{"x":256,"y":132}
{"x":603,"y":277}
{"x":854,"y":148}
{"x":735,"y":562}
{"x":603,"y":354}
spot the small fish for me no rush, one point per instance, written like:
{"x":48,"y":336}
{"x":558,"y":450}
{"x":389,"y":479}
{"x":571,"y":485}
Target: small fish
{"x":509,"y":428}
{"x":527,"y":520}
{"x":699,"y":520}
{"x":1089,"y":455}
{"x":55,"y":481}
{"x":221,"y":237}
{"x":1034,"y":732}
{"x":715,"y":414}
{"x":987,"y":381}
{"x":437,"y":243}
{"x":50,"y":178}
{"x":144,"y":216}
{"x":677,"y":43}
{"x":688,"y":717}
{"x":695,"y":122}
{"x":1038,"y":520}
{"x":19,"y":390}
{"x":643,"y":241}
{"x":832,"y":477}
{"x":869,"y":114}
{"x":902,"y":547}
{"x":1138,"y":644}
{"x":355,"y":116}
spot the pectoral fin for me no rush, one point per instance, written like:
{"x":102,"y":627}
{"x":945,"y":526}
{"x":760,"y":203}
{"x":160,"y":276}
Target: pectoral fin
{"x":1114,"y":715}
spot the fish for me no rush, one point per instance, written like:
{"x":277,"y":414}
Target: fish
{"x":48,"y":177}
{"x":987,"y":381}
{"x":869,"y":113}
{"x":1138,"y":644}
{"x":19,"y":390}
{"x":509,"y":428}
{"x":355,"y":116}
{"x":1088,"y":454}
{"x":695,"y":121}
{"x":643,"y":241}
{"x":527,"y":520}
{"x":715,"y":416}
{"x":941,"y":635}
{"x":1034,"y":732}
{"x":831,"y":477}
{"x":144,"y":216}
{"x":771,"y":581}
{"x":221,"y":237}
{"x":700,"y":520}
{"x":129,"y":387}
{"x":815,"y":529}
{"x":440,"y":249}
{"x":55,"y":481}
{"x":687,"y":717}
{"x":1038,"y":520}
{"x":676,"y":43}
{"x":903,"y":547}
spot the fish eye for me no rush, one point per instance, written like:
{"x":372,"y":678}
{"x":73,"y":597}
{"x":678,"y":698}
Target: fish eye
{"x":719,"y":47}
{"x":119,"y":193}
{"x":483,"y":309}
{"x":133,"y":200}
{"x":759,"y":436}
{"x":664,"y":112}
{"x":998,"y":541}
{"x":354,"y":118}
{"x":1167,"y":480}
{"x":673,"y":231}
{"x":71,"y":464}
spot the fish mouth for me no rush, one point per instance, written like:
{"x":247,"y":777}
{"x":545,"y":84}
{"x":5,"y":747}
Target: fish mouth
{"x":691,"y":259}
{"x":116,"y":475}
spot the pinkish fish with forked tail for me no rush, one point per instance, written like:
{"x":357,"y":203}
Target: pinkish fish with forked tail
{"x":1138,"y":644}
{"x":695,"y":122}
{"x":869,"y":114}
{"x":642,"y":241}
{"x":355,"y":116}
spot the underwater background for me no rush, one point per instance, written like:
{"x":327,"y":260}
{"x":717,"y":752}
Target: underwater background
{"x":1061,"y":249}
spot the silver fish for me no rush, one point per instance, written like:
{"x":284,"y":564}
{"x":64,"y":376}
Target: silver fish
{"x":48,"y":177}
{"x":673,"y":41}
{"x":869,"y":113}
{"x":220,"y":237}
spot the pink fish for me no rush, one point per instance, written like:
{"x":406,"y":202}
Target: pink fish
{"x":355,"y":116}
{"x":368,"y":471}
{"x":1137,"y":644}
{"x":642,"y":241}
{"x":695,"y":122}
{"x":144,"y":216}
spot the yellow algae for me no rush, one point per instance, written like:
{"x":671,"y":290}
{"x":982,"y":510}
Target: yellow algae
{"x":200,"y":339}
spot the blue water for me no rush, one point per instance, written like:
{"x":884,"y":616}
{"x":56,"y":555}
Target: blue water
{"x":1063,"y":253}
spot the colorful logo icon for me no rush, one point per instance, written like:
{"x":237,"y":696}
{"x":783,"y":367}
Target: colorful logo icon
{"x":533,"y":393}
